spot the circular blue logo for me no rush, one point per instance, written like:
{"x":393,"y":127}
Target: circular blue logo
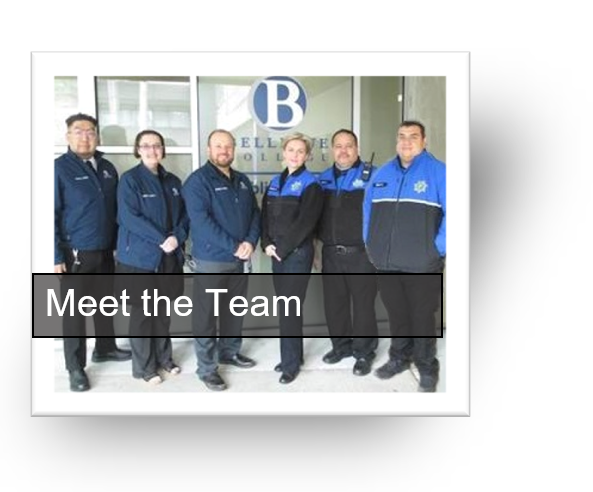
{"x":278,"y":103}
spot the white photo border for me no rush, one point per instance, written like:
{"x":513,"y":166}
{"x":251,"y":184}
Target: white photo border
{"x":454,"y":66}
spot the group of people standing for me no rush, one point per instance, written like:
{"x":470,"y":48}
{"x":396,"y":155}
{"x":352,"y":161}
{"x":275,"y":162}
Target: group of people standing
{"x":381,"y":230}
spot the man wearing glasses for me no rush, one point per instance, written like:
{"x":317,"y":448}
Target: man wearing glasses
{"x":85,"y":231}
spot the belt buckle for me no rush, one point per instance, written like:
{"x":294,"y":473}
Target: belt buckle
{"x":341,"y":250}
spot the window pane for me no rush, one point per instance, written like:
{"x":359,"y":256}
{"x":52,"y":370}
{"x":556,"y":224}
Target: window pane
{"x":381,"y":114}
{"x":128,"y":105}
{"x":66,"y":104}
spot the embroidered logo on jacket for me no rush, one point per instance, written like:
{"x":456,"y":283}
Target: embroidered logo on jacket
{"x":420,"y":186}
{"x":357,"y":183}
{"x":175,"y":191}
{"x":296,"y":186}
{"x":106,"y":174}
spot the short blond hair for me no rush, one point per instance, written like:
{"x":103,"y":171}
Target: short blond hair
{"x":298,"y":136}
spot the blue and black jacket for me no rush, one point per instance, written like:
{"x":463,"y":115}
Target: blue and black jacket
{"x":341,"y":221}
{"x":404,"y":216}
{"x":291,"y":208}
{"x":150,"y":209}
{"x":223,"y":213}
{"x":84,"y":205}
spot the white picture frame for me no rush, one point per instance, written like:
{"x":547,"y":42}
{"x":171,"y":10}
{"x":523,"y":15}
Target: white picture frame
{"x":454,"y":66}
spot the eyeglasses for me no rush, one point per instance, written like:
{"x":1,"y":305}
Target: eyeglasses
{"x":84,"y":133}
{"x":148,"y":147}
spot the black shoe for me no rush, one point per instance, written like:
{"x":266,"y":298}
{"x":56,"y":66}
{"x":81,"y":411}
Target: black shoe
{"x":287,"y":378}
{"x":278,"y":367}
{"x":333,"y":357}
{"x":391,"y":368}
{"x":239,"y":361}
{"x":214,"y":382}
{"x":79,"y":381}
{"x":117,"y":355}
{"x":428,"y":383}
{"x":363,"y":365}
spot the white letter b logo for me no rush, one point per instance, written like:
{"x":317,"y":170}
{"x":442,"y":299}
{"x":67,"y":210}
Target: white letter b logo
{"x":278,"y":103}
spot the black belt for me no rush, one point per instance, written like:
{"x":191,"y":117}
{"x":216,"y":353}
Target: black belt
{"x":345,"y":250}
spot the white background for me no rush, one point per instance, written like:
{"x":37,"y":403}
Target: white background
{"x":530,"y":288}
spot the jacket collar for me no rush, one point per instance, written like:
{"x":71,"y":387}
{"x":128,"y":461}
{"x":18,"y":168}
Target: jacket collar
{"x":219,"y":173}
{"x":284,"y":176}
{"x":298,"y":172}
{"x":98,"y":155}
{"x":416,"y":159}
{"x":161,"y":171}
{"x":338,"y":172}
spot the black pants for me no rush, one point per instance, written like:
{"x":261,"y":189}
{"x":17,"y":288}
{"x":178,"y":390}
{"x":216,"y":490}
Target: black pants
{"x":411,"y":301}
{"x":421,"y":351}
{"x":289,"y":282}
{"x":291,"y":325}
{"x":93,"y":278}
{"x":349,"y":293}
{"x":208,"y":348}
{"x":149,"y":333}
{"x":152,"y":352}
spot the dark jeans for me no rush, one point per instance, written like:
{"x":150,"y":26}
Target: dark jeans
{"x":91,"y":279}
{"x":291,"y":279}
{"x":209,"y":349}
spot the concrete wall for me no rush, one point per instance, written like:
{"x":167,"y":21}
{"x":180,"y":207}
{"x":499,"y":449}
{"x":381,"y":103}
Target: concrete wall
{"x":380,"y":116}
{"x":425,"y":101}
